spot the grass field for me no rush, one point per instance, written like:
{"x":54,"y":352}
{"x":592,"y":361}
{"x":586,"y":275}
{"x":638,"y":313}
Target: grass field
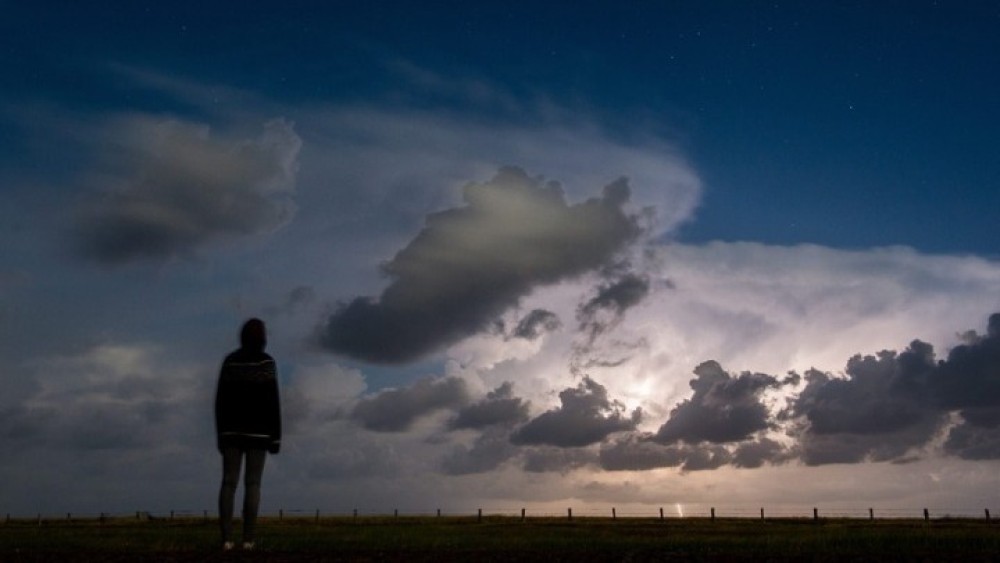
{"x":508,"y":539}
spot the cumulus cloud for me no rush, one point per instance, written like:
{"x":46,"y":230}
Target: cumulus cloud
{"x":638,"y":452}
{"x":171,"y":187}
{"x":548,"y":459}
{"x":487,"y":452}
{"x":500,"y":407}
{"x":723,"y":409}
{"x":891,"y":403}
{"x":395,"y":410}
{"x":585,"y":417}
{"x":470,"y":263}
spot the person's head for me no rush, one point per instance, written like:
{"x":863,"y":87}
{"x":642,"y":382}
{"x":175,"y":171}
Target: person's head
{"x":253,"y":336}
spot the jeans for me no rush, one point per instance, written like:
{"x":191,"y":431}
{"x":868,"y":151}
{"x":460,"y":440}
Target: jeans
{"x":232,"y":458}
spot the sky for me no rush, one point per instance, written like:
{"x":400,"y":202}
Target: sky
{"x":630,"y":254}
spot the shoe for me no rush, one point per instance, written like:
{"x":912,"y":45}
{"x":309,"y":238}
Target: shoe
{"x":228,"y":546}
{"x":248,"y":546}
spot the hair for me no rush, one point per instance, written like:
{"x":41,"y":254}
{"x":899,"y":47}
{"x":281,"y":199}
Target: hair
{"x":253,"y":335}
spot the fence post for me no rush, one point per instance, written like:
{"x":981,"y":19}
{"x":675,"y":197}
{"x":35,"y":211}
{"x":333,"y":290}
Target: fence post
{"x":171,"y":514}
{"x":871,"y":514}
{"x":987,"y":514}
{"x":205,"y":512}
{"x":69,"y":516}
{"x":439,"y":513}
{"x":569,"y":514}
{"x":762,"y":513}
{"x":523,"y":514}
{"x":927,"y":515}
{"x":713,"y":514}
{"x":39,"y":518}
{"x":355,"y":513}
{"x":479,"y":515}
{"x":661,"y":513}
{"x":614,"y":515}
{"x":395,"y":513}
{"x":816,"y":514}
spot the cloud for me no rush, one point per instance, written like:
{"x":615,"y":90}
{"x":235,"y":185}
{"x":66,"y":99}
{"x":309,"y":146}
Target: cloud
{"x":723,"y":409}
{"x":556,"y":459}
{"x":488,"y":451}
{"x":470,"y":263}
{"x":395,"y":410}
{"x":638,"y":452}
{"x":170,"y":188}
{"x":891,"y":403}
{"x":536,"y":323}
{"x":586,"y":417}
{"x":604,"y":311}
{"x":500,"y":407}
{"x":116,"y":400}
{"x":756,"y":453}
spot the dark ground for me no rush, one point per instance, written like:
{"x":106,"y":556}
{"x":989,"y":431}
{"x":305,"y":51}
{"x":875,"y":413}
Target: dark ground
{"x":549,"y":540}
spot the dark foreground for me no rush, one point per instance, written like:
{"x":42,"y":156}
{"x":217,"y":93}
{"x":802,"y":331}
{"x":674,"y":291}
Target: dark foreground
{"x":509,"y":539}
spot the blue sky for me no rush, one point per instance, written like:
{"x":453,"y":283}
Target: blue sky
{"x":744,"y":191}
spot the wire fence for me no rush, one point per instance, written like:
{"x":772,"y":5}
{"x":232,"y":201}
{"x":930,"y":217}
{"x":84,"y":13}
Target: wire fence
{"x":669,"y":512}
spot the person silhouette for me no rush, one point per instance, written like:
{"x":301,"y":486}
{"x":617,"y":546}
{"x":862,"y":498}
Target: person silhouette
{"x":247,"y":425}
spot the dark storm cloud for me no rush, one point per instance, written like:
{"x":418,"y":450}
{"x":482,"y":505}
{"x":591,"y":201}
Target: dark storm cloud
{"x":637,"y":452}
{"x":892,"y":402}
{"x":757,"y":453}
{"x":723,"y":409}
{"x":878,"y":411}
{"x":706,"y":457}
{"x":396,"y":410}
{"x":470,"y":263}
{"x":586,"y":417}
{"x":641,"y":452}
{"x":172,"y":189}
{"x":605,"y":309}
{"x":488,"y":452}
{"x":500,"y":407}
{"x":553,"y":459}
{"x":536,"y":323}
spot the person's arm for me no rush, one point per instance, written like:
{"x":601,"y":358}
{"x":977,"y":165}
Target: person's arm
{"x":221,"y":400}
{"x":275,"y":417}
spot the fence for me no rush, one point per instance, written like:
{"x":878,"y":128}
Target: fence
{"x":711,"y":514}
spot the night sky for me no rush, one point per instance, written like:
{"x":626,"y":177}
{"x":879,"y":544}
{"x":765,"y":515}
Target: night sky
{"x":634,"y":253}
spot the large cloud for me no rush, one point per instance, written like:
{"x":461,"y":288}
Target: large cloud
{"x":171,"y":187}
{"x":470,"y":263}
{"x":586,"y":416}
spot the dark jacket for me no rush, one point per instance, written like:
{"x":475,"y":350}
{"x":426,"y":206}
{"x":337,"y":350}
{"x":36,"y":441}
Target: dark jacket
{"x":247,"y":406}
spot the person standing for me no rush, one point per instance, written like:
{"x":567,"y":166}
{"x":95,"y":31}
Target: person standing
{"x":247,"y":426}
